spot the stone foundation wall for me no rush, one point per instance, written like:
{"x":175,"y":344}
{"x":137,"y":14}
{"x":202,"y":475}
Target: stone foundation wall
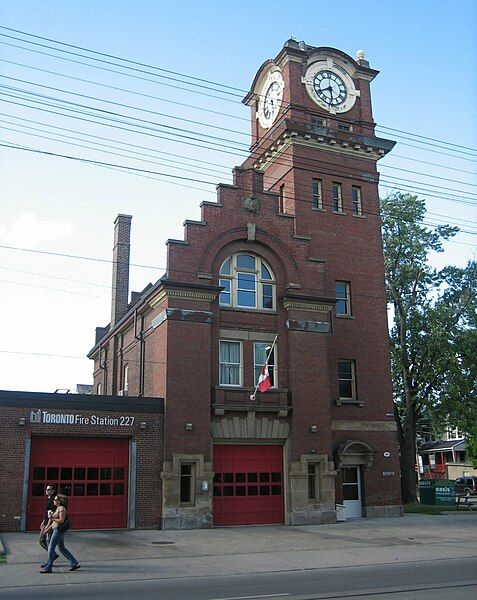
{"x":197,"y":515}
{"x":375,"y":512}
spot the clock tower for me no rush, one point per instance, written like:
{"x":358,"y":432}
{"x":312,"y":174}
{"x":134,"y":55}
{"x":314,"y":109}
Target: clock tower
{"x":313,"y":134}
{"x":314,"y":142}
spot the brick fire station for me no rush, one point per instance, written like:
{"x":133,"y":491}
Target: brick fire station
{"x":290,"y":253}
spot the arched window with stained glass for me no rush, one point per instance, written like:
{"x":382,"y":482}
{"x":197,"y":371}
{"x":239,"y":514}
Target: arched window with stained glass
{"x":247,"y":282}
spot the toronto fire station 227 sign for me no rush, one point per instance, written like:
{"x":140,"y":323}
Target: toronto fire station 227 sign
{"x":46,"y":417}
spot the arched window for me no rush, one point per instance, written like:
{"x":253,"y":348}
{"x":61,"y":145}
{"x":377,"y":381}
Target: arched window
{"x":248,"y":282}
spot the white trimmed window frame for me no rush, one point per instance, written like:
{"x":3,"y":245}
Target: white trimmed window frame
{"x":263,"y":287}
{"x":344,"y":298}
{"x":337,"y":197}
{"x":229,"y":364}
{"x":126,"y":378}
{"x":257,"y":366}
{"x":356,"y":199}
{"x":317,"y":194}
{"x":350,"y":380}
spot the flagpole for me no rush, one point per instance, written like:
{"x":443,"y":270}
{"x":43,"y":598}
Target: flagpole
{"x":252,"y":397}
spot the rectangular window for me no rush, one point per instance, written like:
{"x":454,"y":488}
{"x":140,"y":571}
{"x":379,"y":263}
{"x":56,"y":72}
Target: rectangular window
{"x":267,"y":295}
{"x":126,"y":378}
{"x":226,"y":293}
{"x":347,"y":379}
{"x":230,"y":363}
{"x":454,"y":434}
{"x":187,"y":484}
{"x":343,"y":306}
{"x":312,"y":481}
{"x":260,"y":352}
{"x":317,"y":121}
{"x":281,"y":207}
{"x":342,"y":126}
{"x":337,"y":198}
{"x":356,"y":196}
{"x":317,"y":198}
{"x":246,"y":290}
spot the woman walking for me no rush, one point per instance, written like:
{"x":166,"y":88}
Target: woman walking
{"x":58,"y":524}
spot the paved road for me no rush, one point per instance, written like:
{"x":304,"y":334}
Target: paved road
{"x":409,"y":558}
{"x":439,"y":580}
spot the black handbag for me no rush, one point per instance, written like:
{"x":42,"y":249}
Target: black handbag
{"x":62,"y":527}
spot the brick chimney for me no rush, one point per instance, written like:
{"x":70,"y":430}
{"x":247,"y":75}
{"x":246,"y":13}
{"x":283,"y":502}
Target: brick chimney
{"x":121,"y":249}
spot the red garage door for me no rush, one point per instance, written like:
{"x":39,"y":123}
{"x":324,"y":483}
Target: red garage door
{"x":92,"y":472}
{"x":248,"y":485}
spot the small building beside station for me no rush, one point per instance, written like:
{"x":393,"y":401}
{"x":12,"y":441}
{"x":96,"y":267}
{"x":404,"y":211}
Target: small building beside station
{"x":104,"y":453}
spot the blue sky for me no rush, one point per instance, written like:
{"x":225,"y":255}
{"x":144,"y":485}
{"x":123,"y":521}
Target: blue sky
{"x":427,"y":55}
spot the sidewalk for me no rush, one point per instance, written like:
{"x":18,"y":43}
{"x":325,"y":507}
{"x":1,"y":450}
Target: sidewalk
{"x":139,"y":555}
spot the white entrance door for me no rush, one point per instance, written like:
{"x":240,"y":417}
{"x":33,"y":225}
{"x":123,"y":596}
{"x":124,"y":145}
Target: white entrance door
{"x":352,"y":492}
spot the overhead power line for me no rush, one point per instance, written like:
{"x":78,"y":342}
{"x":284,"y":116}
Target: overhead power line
{"x":223,"y":171}
{"x":136,"y":169}
{"x":216,"y":85}
{"x":201,"y":108}
{"x":49,"y":288}
{"x":189,"y":90}
{"x":191,"y":121}
{"x":113,"y":103}
{"x":142,"y":125}
{"x":133,"y":62}
{"x":141,"y":171}
{"x":183,"y":168}
{"x":220,"y":172}
{"x":229,"y":100}
{"x":127,"y":90}
{"x":41,"y":354}
{"x":144,"y":71}
{"x":110,"y":113}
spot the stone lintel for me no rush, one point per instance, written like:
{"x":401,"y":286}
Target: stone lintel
{"x":181,"y":314}
{"x":363,"y":426}
{"x":303,"y":325}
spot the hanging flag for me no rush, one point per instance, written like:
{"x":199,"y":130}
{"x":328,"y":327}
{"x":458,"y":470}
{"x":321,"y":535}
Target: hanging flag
{"x":264,"y":381}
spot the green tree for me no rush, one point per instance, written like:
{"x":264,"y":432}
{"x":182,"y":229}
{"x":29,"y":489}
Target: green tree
{"x":457,"y":405}
{"x":430,"y":310}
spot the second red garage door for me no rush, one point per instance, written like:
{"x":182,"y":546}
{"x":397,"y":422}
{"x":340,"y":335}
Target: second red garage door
{"x":92,"y":472}
{"x":248,"y":485}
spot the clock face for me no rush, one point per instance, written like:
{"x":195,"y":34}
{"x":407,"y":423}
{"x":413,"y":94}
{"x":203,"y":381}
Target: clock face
{"x":330,"y":88}
{"x":270,"y":99}
{"x":329,"y":85}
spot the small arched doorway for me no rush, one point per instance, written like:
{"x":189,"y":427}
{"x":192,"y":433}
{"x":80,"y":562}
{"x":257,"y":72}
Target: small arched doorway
{"x":353,"y":457}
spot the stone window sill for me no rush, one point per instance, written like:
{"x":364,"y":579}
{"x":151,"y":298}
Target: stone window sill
{"x":349,"y":401}
{"x":265,"y":311}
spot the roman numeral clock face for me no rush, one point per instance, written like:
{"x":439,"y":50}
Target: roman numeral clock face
{"x":270,"y":98}
{"x":330,"y":86}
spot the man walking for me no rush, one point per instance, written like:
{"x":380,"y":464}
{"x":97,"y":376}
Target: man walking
{"x":49,"y":509}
